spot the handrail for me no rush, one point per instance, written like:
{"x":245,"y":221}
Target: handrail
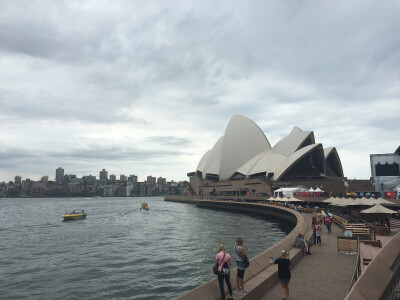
{"x":357,"y":269}
{"x":350,"y":218}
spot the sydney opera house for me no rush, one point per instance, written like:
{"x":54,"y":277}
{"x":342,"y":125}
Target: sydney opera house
{"x":242,"y":162}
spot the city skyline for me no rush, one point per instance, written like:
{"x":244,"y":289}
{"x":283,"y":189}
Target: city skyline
{"x":150,"y":86}
{"x":19,"y":178}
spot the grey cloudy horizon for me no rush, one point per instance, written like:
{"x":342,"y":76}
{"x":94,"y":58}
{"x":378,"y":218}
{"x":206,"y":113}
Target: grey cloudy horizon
{"x":147,"y":87}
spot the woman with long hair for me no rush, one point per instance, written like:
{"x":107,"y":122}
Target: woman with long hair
{"x":240,"y":254}
{"x":223,"y":260}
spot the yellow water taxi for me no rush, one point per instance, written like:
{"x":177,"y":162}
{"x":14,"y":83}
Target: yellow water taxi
{"x":144,"y":206}
{"x":75,"y":215}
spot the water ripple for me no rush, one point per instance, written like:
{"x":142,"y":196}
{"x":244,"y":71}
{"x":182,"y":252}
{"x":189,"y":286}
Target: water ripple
{"x":118,"y":251}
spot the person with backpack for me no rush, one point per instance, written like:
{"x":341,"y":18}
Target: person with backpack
{"x":223,"y":260}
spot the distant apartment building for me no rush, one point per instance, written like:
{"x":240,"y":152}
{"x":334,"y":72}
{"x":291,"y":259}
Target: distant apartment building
{"x":90,"y":179}
{"x":76,"y":186}
{"x":18,"y":180}
{"x":109,"y":190}
{"x":103,"y":175}
{"x":38,"y":187}
{"x":60,"y":175}
{"x":129,"y":189}
{"x":113,"y":178}
{"x":123,"y":178}
{"x":162,"y":181}
{"x":133,"y":179}
{"x":26,"y":184}
{"x":121,"y":190}
{"x":151,"y":180}
{"x":44,"y":179}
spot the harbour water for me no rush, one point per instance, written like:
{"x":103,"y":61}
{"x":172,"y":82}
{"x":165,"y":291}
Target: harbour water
{"x":118,"y":251}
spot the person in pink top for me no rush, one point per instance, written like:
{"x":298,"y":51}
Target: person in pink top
{"x":223,"y":260}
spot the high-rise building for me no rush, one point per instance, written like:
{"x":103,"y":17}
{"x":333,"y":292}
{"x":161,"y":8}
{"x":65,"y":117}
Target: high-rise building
{"x":113,"y":178}
{"x":44,"y":179}
{"x":123,"y":178}
{"x":151,"y":180}
{"x":161,"y":180}
{"x":60,"y":175}
{"x":90,"y":179}
{"x":17,"y":180}
{"x":103,"y":175}
{"x":133,"y":179}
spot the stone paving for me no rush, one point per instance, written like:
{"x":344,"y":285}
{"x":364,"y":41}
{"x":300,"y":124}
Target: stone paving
{"x":325,"y":274}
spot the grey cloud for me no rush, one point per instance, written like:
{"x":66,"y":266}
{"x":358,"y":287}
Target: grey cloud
{"x":169,"y":141}
{"x":282,"y":64}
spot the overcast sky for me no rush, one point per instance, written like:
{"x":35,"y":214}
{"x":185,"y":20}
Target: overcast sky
{"x":147,"y":87}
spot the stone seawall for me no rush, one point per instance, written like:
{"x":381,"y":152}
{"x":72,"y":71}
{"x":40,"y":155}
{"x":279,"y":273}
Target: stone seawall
{"x":260,"y":275}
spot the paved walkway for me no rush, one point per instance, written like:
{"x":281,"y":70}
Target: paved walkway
{"x":325,"y":274}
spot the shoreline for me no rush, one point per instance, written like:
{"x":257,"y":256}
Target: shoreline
{"x":260,"y":274}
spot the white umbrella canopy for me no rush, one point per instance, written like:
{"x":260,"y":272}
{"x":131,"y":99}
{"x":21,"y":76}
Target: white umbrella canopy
{"x":272,"y":199}
{"x":380,"y":201}
{"x":292,"y":199}
{"x":282,"y":199}
{"x":335,"y":201}
{"x":361,"y":201}
{"x":378,"y":209}
{"x":330,"y":200}
{"x":343,"y":202}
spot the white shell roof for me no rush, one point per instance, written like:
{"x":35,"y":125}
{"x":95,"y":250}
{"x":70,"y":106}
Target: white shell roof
{"x":290,"y":144}
{"x":245,"y":149}
{"x":213,"y":163}
{"x":285,"y":166}
{"x":242,"y":140}
{"x":332,"y":151}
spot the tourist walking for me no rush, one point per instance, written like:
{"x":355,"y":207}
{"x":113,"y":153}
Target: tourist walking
{"x":313,"y":224}
{"x":328,"y":223}
{"x":223,"y":260}
{"x":240,"y":263}
{"x":318,"y":230}
{"x":284,"y":275}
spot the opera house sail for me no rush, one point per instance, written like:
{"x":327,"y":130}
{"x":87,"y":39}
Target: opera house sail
{"x":243,"y":161}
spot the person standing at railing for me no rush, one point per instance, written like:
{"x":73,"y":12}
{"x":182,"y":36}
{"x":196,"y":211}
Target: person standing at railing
{"x":284,"y":275}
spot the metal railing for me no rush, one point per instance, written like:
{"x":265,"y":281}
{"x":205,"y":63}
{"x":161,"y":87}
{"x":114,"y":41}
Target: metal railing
{"x":357,"y":268}
{"x":392,"y":291}
{"x":353,"y":219}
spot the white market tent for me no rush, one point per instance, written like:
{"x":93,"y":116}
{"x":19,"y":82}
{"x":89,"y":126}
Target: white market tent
{"x":378,"y":209}
{"x":288,"y":191}
{"x":311,"y":190}
{"x":318,"y":190}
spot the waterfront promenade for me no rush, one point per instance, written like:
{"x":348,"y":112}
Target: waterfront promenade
{"x":325,"y":274}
